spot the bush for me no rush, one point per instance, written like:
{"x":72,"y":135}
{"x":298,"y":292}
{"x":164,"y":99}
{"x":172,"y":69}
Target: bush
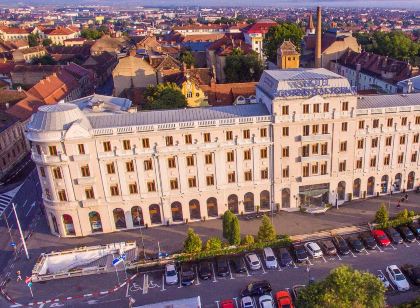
{"x":411,"y":213}
{"x":247,"y":240}
{"x":382,"y":215}
{"x":213,"y":244}
{"x":193,"y":242}
{"x":266,"y":233}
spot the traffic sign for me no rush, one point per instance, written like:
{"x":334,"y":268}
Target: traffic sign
{"x":117,"y":261}
{"x":30,"y":284}
{"x":12,"y":244}
{"x":123,"y":256}
{"x":28,"y":279}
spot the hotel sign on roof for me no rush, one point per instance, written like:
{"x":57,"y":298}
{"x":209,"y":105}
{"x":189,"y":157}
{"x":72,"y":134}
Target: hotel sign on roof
{"x":312,"y":87}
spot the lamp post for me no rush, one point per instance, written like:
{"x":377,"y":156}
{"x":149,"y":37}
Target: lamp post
{"x":142,"y":241}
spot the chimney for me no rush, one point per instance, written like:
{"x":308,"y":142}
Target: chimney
{"x":409,"y":86}
{"x":318,"y":38}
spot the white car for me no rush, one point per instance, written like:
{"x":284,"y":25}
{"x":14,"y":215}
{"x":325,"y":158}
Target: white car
{"x":313,"y":249}
{"x":171,"y":274}
{"x":266,"y":301}
{"x":253,"y":261}
{"x":269,"y":258}
{"x":382,"y":278}
{"x":397,"y":278}
{"x":247,"y":302}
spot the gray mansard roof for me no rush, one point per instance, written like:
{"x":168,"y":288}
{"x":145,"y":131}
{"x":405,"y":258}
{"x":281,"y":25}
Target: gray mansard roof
{"x":394,"y":100}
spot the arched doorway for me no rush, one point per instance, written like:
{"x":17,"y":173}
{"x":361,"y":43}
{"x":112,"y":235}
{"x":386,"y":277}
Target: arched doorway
{"x":341,"y":191}
{"x":119,"y":218}
{"x":95,"y":222}
{"x":233,"y":204}
{"x":265,"y":200}
{"x":55,"y":225}
{"x":194,"y":206}
{"x":356,"y":188}
{"x":68,"y":225}
{"x":370,"y":186}
{"x":384,"y":184}
{"x":397,"y":182}
{"x":137,"y":216}
{"x":285,"y":198}
{"x":212,"y":207}
{"x":154,"y":212}
{"x":249,"y":202}
{"x":176,"y":209}
{"x":410,"y":180}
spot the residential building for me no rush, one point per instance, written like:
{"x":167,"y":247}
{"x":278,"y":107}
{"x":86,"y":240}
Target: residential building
{"x":254,"y":34}
{"x":28,"y":54}
{"x":287,"y":56}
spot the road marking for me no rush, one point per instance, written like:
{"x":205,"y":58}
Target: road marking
{"x":163,"y":282}
{"x":198,"y":279}
{"x":217,"y":303}
{"x":325,"y":261}
{"x":367,"y":252}
{"x":279,"y":268}
{"x":380,"y":271}
{"x":309,"y":261}
{"x":354,"y":256}
{"x":30,"y":209}
{"x":230,"y":271}
{"x":180,"y":285}
{"x":418,"y":243}
{"x":406,"y":245}
{"x":262,"y":265}
{"x":246,"y":268}
{"x":214,"y":273}
{"x":145,"y":283}
{"x":339,"y":258}
{"x":393,"y":247}
{"x":294,"y":264}
{"x":126,"y":292}
{"x":379,"y":248}
{"x":236,"y":301}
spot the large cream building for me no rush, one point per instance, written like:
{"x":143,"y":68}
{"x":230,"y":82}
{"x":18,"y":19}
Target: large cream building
{"x":308,"y":140}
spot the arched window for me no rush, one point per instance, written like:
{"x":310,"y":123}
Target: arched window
{"x":95,"y":222}
{"x":119,"y":218}
{"x":249,"y":202}
{"x":137,"y":216}
{"x":154,"y":212}
{"x":55,"y":225}
{"x":397,"y":182}
{"x":356,"y":188}
{"x":233,"y":204}
{"x":371,"y":186}
{"x":341,"y":190}
{"x":176,"y":209}
{"x":384,"y":184}
{"x":265,"y":200}
{"x":195,"y":212}
{"x":212,"y":207}
{"x":68,"y":225}
{"x":410,"y":180}
{"x":285,"y":198}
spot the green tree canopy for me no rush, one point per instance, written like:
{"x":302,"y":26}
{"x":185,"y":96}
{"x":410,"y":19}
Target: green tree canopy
{"x":213,"y":244}
{"x":187,"y":58}
{"x":193,"y":242}
{"x":33,"y":40}
{"x":44,"y":60}
{"x":164,"y":96}
{"x":91,"y":34}
{"x":344,"y":287}
{"x":248,"y":240}
{"x":243,"y":68}
{"x":277,"y":34}
{"x":47,"y":42}
{"x":226,"y":223}
{"x":235,"y":232}
{"x":382,"y":215}
{"x":266,"y":233}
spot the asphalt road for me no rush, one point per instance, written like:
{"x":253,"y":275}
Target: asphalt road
{"x":149,"y":287}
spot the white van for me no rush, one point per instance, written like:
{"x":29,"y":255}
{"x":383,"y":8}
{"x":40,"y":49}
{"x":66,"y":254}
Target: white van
{"x":269,"y":258}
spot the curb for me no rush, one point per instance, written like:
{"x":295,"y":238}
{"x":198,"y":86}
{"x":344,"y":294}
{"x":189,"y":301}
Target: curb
{"x":68,"y":298}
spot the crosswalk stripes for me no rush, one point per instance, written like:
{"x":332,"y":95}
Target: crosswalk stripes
{"x":4,"y":202}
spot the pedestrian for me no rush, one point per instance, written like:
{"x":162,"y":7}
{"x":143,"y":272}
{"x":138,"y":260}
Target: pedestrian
{"x":398,"y":205}
{"x":19,"y":276}
{"x":406,"y":196}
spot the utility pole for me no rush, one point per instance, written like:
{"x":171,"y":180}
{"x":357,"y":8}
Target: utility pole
{"x":20,"y":231}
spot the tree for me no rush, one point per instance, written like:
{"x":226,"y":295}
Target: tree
{"x":213,"y":244}
{"x":91,"y":34}
{"x":226,"y":223}
{"x":344,"y":287}
{"x":193,"y":242}
{"x":248,"y":240}
{"x":235,"y":233}
{"x":266,"y":233}
{"x":277,"y":35}
{"x":164,"y":96}
{"x":44,"y":60}
{"x":47,"y":42}
{"x":243,"y":68}
{"x":403,"y":215}
{"x":382,"y":215}
{"x":33,"y":40}
{"x":187,"y":58}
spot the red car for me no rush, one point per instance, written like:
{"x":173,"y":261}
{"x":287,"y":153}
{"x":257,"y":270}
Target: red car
{"x":227,"y":303}
{"x":381,"y":237}
{"x":283,"y":299}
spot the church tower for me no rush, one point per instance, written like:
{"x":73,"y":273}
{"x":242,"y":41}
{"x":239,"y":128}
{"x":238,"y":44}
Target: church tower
{"x":310,"y":29}
{"x":287,"y":56}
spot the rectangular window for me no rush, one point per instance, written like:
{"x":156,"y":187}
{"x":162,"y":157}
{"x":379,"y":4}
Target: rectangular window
{"x":129,"y":166}
{"x":285,"y":110}
{"x":209,"y":159}
{"x":416,"y":138}
{"x":247,"y":154}
{"x":230,"y":156}
{"x":418,"y":120}
{"x":110,"y":168}
{"x":264,"y":174}
{"x":315,"y":149}
{"x":285,"y":172}
{"x":285,"y":152}
{"x":316,"y":108}
{"x":324,"y":149}
{"x":388,"y":141}
{"x":126,"y":144}
{"x":375,"y":142}
{"x":190,"y":161}
{"x":315,"y":168}
{"x":315,"y":129}
{"x":360,"y":143}
{"x":47,"y":194}
{"x":402,"y":139}
{"x":192,"y":182}
{"x":305,"y":131}
{"x":324,"y":168}
{"x":62,"y":196}
{"x":359,"y":163}
{"x":387,"y":160}
{"x":375,"y":123}
{"x":81,"y":148}
{"x":210,"y":180}
{"x":264,"y":153}
{"x":85,"y":171}
{"x":114,"y":190}
{"x":207,"y":137}
{"x":401,"y":158}
{"x":148,"y":164}
{"x":305,"y":171}
{"x":229,"y":135}
{"x":231,"y":177}
{"x":345,"y":106}
{"x":344,"y":126}
{"x":174,"y":184}
{"x":373,"y":161}
{"x":263,"y":132}
{"x":361,"y":124}
{"x":169,"y":141}
{"x":145,"y":143}
{"x":42,"y":171}
{"x":403,"y":121}
{"x":342,"y":166}
{"x":248,"y":175}
{"x":89,"y":193}
{"x":188,"y":139}
{"x":343,"y":146}
{"x":107,"y":146}
{"x":305,"y":150}
{"x":389,"y":122}
{"x":57,"y":173}
{"x":414,"y":157}
{"x":38,"y":149}
{"x":53,"y":150}
{"x":246,"y":134}
{"x":326,"y":107}
{"x":171,"y":162}
{"x":325,"y":129}
{"x":305,"y":108}
{"x":133,"y":188}
{"x":285,"y":131}
{"x":151,"y":186}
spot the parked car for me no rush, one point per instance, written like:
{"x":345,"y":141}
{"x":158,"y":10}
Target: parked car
{"x":415,"y":227}
{"x":222,"y":267}
{"x":296,"y":289}
{"x":412,"y":273}
{"x":187,"y":274}
{"x":284,"y":257}
{"x":253,"y":261}
{"x":227,"y":303}
{"x":313,"y":250}
{"x":283,"y":299}
{"x":382,"y":278}
{"x":407,"y":234}
{"x":341,"y":245}
{"x":393,"y":235}
{"x":257,"y":288}
{"x":397,"y":278}
{"x":247,"y":302}
{"x":381,"y":237}
{"x":205,"y":270}
{"x":356,"y":244}
{"x":171,"y":274}
{"x":368,"y":240}
{"x":270,"y":259}
{"x":328,"y":247}
{"x":238,"y":264}
{"x":266,"y":301}
{"x":300,"y":252}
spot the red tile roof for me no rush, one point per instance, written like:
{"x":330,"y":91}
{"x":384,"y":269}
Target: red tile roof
{"x":261,"y":26}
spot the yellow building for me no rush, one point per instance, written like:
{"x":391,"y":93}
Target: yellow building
{"x":287,"y":56}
